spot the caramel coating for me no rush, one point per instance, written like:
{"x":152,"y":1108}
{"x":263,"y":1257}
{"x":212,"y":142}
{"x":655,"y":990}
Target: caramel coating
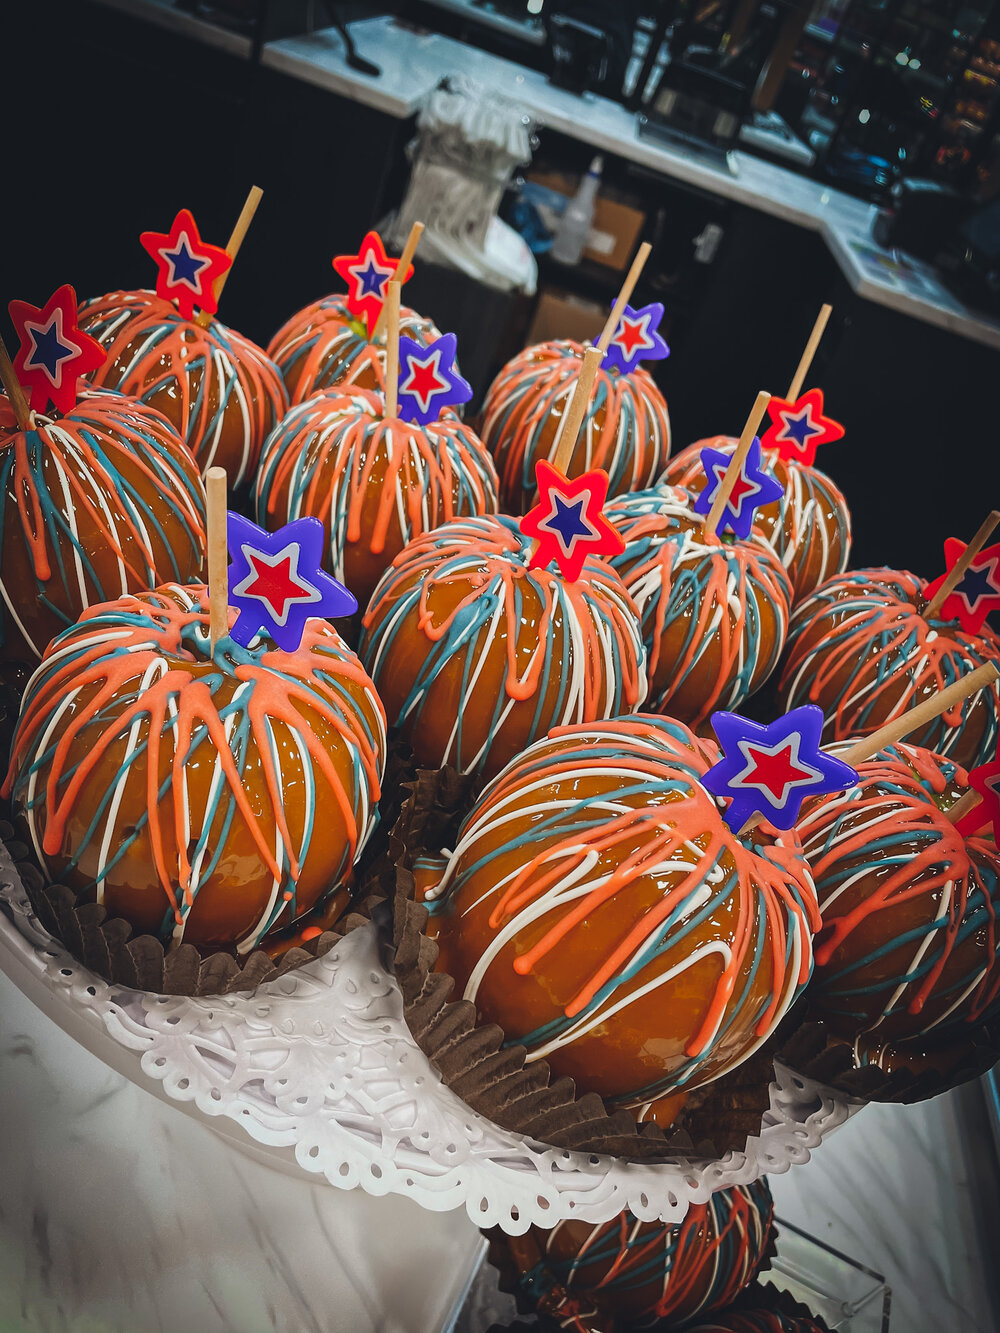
{"x":374,"y":484}
{"x":103,"y":501}
{"x":714,"y":611}
{"x":648,"y":1271}
{"x":626,"y":430}
{"x":598,"y":909}
{"x":475,"y":655}
{"x":218,"y":388}
{"x":861,"y":648}
{"x":910,"y":944}
{"x":209,"y":799}
{"x":324,"y":347}
{"x":809,"y":526}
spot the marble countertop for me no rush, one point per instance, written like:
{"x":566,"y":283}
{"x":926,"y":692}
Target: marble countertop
{"x":121,"y":1214}
{"x":414,"y":61}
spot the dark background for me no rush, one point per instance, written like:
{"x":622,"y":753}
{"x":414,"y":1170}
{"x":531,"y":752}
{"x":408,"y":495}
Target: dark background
{"x":113,"y":125}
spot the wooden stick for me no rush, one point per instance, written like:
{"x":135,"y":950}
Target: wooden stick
{"x":963,"y":805}
{"x":628,"y":286}
{"x":392,"y":350}
{"x":911,"y":720}
{"x":233,"y":246}
{"x":405,"y":259}
{"x":926,"y":712}
{"x":963,"y":562}
{"x":722,"y":495}
{"x":23,"y":415}
{"x":569,"y":427}
{"x":805,"y":361}
{"x":218,"y":556}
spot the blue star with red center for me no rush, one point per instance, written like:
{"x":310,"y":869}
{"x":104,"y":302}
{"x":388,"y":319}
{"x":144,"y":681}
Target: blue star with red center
{"x":798,"y":429}
{"x":367,"y":275}
{"x":48,"y":350}
{"x":754,"y":487}
{"x":568,"y":522}
{"x":770,"y":770}
{"x":53,"y":352}
{"x":636,"y":339}
{"x":977,"y":592}
{"x":428,"y":381}
{"x":276,"y":581}
{"x":372,"y":279}
{"x":188,"y":268}
{"x":986,"y":781}
{"x":185,"y":266}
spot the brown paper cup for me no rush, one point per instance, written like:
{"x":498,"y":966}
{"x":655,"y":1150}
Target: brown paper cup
{"x":900,"y":1071}
{"x":493,"y":1078}
{"x":764,"y":1297}
{"x":107,"y":946}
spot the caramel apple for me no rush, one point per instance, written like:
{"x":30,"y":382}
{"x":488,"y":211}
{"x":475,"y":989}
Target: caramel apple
{"x":203,"y":797}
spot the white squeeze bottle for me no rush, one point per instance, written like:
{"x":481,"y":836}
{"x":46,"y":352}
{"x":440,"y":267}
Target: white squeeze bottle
{"x":578,"y":218}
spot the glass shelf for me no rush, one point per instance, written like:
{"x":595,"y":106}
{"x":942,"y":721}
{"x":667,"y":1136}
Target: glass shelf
{"x":842,"y":1291}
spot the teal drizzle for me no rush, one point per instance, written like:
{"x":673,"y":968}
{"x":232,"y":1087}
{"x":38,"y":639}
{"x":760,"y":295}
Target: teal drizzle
{"x":529,"y":387}
{"x":229,"y":656}
{"x":837,"y":991}
{"x":296,"y":434}
{"x":148,"y":371}
{"x":393,"y":604}
{"x":293,"y":345}
{"x":103,"y":412}
{"x":689,"y":587}
{"x":576,"y":821}
{"x":622,"y":1258}
{"x":859,"y":628}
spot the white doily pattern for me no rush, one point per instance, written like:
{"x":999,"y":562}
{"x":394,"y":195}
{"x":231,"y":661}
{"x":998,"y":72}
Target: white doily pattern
{"x":320,"y":1063}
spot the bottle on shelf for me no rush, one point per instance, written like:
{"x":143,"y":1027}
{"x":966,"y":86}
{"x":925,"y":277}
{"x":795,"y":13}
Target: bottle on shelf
{"x":574,"y":227}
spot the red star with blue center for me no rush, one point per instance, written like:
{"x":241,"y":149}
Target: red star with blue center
{"x":276,"y":581}
{"x":187,"y":267}
{"x":798,"y":429}
{"x":636,"y":339}
{"x":770,"y":770}
{"x":428,"y":381}
{"x":367,"y":275}
{"x":568,"y":522}
{"x":53,"y":352}
{"x":978,"y":591}
{"x":986,"y":781}
{"x":754,"y":487}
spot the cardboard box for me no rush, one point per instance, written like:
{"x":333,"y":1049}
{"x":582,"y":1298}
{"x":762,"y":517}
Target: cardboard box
{"x":560,"y":314}
{"x":616,"y":226}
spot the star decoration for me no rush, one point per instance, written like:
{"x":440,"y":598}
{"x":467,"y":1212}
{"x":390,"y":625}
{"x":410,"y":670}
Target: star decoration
{"x":428,"y":380}
{"x":798,"y":429}
{"x":986,"y":781}
{"x":276,"y":581}
{"x":754,"y":487}
{"x":188,"y":267}
{"x":978,"y":591}
{"x":770,"y":770}
{"x":636,"y":339}
{"x":367,"y":275}
{"x":53,"y":352}
{"x":567,"y":522}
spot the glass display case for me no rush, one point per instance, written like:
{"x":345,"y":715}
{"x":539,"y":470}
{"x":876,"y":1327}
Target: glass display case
{"x":885,"y":88}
